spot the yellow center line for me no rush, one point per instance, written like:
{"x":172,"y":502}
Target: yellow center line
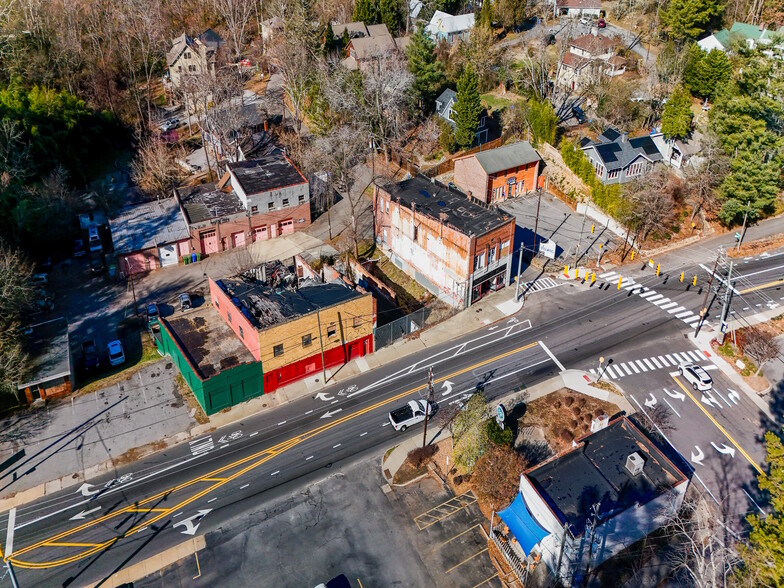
{"x":715,"y":422}
{"x":763,"y":286}
{"x":213,"y":479}
{"x":57,"y":544}
{"x":265,"y":456}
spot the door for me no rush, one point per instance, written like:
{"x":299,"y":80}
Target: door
{"x":209,"y":242}
{"x":260,"y":234}
{"x":168,"y":254}
{"x":238,"y":239}
{"x":286,"y":227}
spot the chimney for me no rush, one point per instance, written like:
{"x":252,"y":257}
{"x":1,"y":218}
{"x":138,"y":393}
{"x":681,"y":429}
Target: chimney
{"x":624,"y":137}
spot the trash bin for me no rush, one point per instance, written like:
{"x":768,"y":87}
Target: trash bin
{"x":198,"y":256}
{"x":186,"y":260}
{"x":194,"y":257}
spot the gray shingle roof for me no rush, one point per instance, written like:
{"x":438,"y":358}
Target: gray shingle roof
{"x":616,"y":152}
{"x":507,"y":157}
{"x":442,"y":102}
{"x":140,"y":227}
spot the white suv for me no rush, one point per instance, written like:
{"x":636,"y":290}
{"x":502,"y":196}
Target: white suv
{"x":696,"y":375}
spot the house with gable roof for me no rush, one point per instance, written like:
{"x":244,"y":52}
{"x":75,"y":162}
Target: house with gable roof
{"x":444,"y":26}
{"x":617,"y":159}
{"x":444,"y":105}
{"x":193,"y":56}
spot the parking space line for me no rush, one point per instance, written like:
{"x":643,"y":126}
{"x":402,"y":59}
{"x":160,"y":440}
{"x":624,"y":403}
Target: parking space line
{"x":486,"y":581}
{"x":466,"y":560}
{"x":444,"y":510}
{"x":458,"y":535}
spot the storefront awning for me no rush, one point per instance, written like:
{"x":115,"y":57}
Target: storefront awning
{"x":522,"y":525}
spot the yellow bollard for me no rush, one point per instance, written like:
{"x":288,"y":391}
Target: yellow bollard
{"x":694,"y":283}
{"x":577,"y":273}
{"x":593,"y":277}
{"x":566,"y":271}
{"x":593,"y":226}
{"x":658,"y":268}
{"x":619,"y":283}
{"x":632,"y":255}
{"x":682,"y":277}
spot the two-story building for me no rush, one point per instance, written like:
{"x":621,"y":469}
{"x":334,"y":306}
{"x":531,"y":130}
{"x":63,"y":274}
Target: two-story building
{"x":193,"y":56}
{"x":578,"y":8}
{"x":450,"y":28}
{"x":589,"y":58}
{"x":367,"y":44}
{"x":581,"y":507}
{"x":497,"y":174}
{"x":444,"y":108}
{"x":256,"y":199}
{"x":617,"y":159}
{"x":453,"y":245}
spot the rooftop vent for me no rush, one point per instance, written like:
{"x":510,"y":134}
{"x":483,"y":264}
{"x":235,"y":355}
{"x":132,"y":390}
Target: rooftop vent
{"x":634,"y":464}
{"x":441,"y":203}
{"x":599,"y":423}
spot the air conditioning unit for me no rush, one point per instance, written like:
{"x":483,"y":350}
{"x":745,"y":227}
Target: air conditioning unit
{"x":599,"y":423}
{"x":634,"y":464}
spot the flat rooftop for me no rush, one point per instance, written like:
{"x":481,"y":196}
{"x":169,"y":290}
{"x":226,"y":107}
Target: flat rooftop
{"x":265,"y":307}
{"x":50,"y":355}
{"x":206,"y":202}
{"x":147,"y":225}
{"x":207,"y":341}
{"x":595,"y":471}
{"x":267,"y":173}
{"x":433,"y":199}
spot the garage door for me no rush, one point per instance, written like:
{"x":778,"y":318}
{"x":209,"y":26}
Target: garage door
{"x":134,"y":263}
{"x":238,"y":240}
{"x":286,"y":227}
{"x":209,"y":242}
{"x":168,"y":254}
{"x":260,"y":234}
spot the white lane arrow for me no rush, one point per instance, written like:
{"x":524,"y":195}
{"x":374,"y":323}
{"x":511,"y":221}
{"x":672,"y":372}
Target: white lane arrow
{"x":82,"y":515}
{"x":651,"y":402}
{"x":733,"y":395}
{"x":447,"y":388}
{"x":192,"y":523}
{"x":710,"y":401}
{"x":330,"y":413}
{"x":676,"y":395}
{"x":699,"y":456}
{"x":724,"y":449}
{"x":324,"y":396}
{"x":86,"y":490}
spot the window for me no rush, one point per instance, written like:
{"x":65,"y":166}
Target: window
{"x":332,"y":330}
{"x":613,"y":174}
{"x":301,"y":198}
{"x":228,"y":317}
{"x":357,"y":321}
{"x":285,"y":202}
{"x":307,"y":340}
{"x":217,"y":305}
{"x":242,"y":333}
{"x":270,"y":205}
{"x":504,"y":245}
{"x":179,"y":68}
{"x":387,"y":207}
{"x":191,"y":68}
{"x":187,"y":55}
{"x":635,"y":169}
{"x":479,"y":261}
{"x":491,"y":255}
{"x":254,"y":209}
{"x":277,"y":350}
{"x":416,"y":233}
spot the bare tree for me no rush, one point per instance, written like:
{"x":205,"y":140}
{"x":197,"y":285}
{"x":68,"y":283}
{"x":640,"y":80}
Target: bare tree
{"x":237,"y":15}
{"x":154,"y":169}
{"x":428,"y":135}
{"x":760,"y":345}
{"x":704,"y":178}
{"x":651,"y":204}
{"x":16,"y":292}
{"x":293,"y":62}
{"x":14,"y":154}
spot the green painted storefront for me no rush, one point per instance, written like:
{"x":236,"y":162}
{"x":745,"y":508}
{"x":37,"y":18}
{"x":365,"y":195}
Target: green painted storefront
{"x":226,"y":389}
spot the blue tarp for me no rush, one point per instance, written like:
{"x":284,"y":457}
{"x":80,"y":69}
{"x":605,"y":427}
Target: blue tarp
{"x":522,"y":525}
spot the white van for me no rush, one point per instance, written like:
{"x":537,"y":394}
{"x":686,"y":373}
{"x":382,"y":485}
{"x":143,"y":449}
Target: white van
{"x":94,"y":239}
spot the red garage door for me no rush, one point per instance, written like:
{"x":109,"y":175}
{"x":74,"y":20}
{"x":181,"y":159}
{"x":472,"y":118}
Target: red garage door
{"x":238,"y":240}
{"x":209,"y":242}
{"x":286,"y":227}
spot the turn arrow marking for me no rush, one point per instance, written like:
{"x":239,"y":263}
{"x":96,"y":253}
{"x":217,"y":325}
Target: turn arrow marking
{"x":651,"y":402}
{"x":699,"y":456}
{"x":330,"y":413}
{"x":192,"y":523}
{"x":324,"y":396}
{"x":710,"y":401}
{"x":85,"y":490}
{"x":447,"y":387}
{"x":724,"y":449}
{"x":82,"y":515}
{"x":733,"y":395}
{"x":677,"y":395}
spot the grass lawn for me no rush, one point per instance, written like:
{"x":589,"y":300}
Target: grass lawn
{"x":495,"y":102}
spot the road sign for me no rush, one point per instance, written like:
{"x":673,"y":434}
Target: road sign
{"x":547,"y":248}
{"x":500,"y":415}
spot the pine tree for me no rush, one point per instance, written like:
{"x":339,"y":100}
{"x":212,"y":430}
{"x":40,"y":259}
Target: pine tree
{"x":687,"y":19}
{"x":467,"y":108}
{"x":391,"y":13}
{"x":677,"y":115}
{"x":716,"y":72}
{"x":692,"y":72}
{"x":510,"y":13}
{"x":366,"y":11}
{"x":428,"y":72}
{"x":486,"y":14}
{"x":542,"y":121}
{"x":329,"y":39}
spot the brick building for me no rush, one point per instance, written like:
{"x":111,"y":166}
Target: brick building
{"x":294,"y":331}
{"x":256,"y":199}
{"x":497,"y":174}
{"x":455,"y":246}
{"x":48,"y":373}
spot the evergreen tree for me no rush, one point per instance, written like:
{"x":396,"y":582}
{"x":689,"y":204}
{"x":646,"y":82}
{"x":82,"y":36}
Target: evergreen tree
{"x":366,"y":11}
{"x":687,"y":19}
{"x":391,"y":13}
{"x":329,"y":39}
{"x":677,"y":115}
{"x":345,"y":39}
{"x":428,"y":72}
{"x":751,"y":179}
{"x":486,"y":14}
{"x":716,"y":72}
{"x":467,"y":108}
{"x":510,"y":13}
{"x":542,"y":121}
{"x":692,"y":71}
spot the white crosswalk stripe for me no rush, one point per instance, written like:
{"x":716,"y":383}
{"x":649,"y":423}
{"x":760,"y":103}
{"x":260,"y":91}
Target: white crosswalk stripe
{"x":626,"y":369}
{"x":641,"y":364}
{"x":648,"y":293}
{"x":676,"y":310}
{"x":649,"y":364}
{"x":673,"y":361}
{"x":695,"y":356}
{"x":663,"y":361}
{"x":662,"y":301}
{"x":656,"y":297}
{"x":608,"y":275}
{"x":540,"y":284}
{"x":668,"y":305}
{"x":667,"y":362}
{"x":683,"y":315}
{"x":634,"y":367}
{"x":656,"y":362}
{"x":609,"y":371}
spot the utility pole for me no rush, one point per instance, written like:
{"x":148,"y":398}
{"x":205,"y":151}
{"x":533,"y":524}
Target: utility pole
{"x":704,"y":309}
{"x":321,"y":343}
{"x":133,"y":288}
{"x":519,"y":270}
{"x":11,"y":573}
{"x":427,"y":403}
{"x":594,"y":520}
{"x":536,"y":222}
{"x":726,"y":308}
{"x":743,"y":230}
{"x":580,"y":240}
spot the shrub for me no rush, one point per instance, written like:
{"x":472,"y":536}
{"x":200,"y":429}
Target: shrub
{"x":417,"y":457}
{"x":446,"y":139}
{"x":496,"y":476}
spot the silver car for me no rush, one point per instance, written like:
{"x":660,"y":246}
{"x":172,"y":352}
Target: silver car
{"x":696,"y":376}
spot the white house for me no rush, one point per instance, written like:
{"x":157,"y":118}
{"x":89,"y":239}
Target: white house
{"x":589,"y":56}
{"x":450,"y":28}
{"x":578,"y":8}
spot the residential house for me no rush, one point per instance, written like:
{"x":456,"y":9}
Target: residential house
{"x":678,"y":153}
{"x":497,"y":174}
{"x":271,"y":28}
{"x":149,"y":236}
{"x":355,"y":30}
{"x":256,"y":199}
{"x":618,"y":159}
{"x":449,"y":28}
{"x":233,"y":131}
{"x":193,"y":56}
{"x":741,"y":32}
{"x":444,"y":108}
{"x":578,"y":8}
{"x":581,"y":507}
{"x":367,"y":45}
{"x":48,"y":373}
{"x":453,"y":245}
{"x":589,"y":57}
{"x":297,"y":329}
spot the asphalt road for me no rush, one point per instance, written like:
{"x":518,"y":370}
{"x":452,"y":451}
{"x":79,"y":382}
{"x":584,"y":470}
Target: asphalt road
{"x":77,"y":537}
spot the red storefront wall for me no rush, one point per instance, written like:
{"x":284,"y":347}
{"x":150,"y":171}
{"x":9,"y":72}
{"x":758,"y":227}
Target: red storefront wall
{"x":310,"y":365}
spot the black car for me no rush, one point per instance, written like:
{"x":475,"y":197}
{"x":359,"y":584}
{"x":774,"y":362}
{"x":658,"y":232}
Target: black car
{"x":579,"y":115}
{"x":90,"y":355}
{"x":96,"y":262}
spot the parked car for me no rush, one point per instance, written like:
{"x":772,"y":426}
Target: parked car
{"x":116,"y":353}
{"x":410,"y":414}
{"x":601,"y":23}
{"x":42,"y":304}
{"x":185,"y":302}
{"x":696,"y":376}
{"x":79,"y":249}
{"x":40,"y":279}
{"x":96,"y":262}
{"x":579,"y":115}
{"x":90,"y":359}
{"x":94,"y":239}
{"x":153,"y":313}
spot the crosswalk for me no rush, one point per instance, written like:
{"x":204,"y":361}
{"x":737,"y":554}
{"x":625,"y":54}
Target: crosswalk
{"x":649,"y":295}
{"x":538,"y":285}
{"x":668,"y":361}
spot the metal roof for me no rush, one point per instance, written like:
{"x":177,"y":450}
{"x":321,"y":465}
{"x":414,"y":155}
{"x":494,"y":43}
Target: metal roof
{"x":507,"y":157}
{"x":50,"y":353}
{"x":143,"y":226}
{"x":205,"y":202}
{"x":267,"y":173}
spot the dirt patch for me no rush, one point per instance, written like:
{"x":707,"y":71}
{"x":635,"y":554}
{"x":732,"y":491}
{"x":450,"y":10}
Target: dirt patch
{"x":564,"y":416}
{"x":759,"y":246}
{"x":136,"y":453}
{"x":185,"y":394}
{"x":408,"y":472}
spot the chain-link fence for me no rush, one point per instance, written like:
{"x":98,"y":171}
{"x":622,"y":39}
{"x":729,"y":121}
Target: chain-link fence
{"x":399,"y":328}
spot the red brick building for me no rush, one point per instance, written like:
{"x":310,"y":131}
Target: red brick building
{"x":497,"y":174}
{"x":453,"y":245}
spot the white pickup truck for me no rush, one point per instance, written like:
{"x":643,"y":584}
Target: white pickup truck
{"x":410,"y":414}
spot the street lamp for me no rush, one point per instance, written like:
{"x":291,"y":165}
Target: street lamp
{"x":133,"y":288}
{"x":603,"y":369}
